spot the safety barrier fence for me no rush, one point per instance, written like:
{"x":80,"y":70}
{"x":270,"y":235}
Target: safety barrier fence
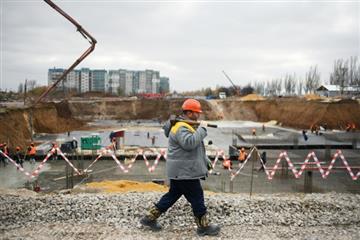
{"x":125,"y":169}
{"x":270,"y":171}
{"x":41,"y":165}
{"x":106,"y":151}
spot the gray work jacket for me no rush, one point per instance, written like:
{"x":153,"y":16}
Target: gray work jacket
{"x":186,"y":157}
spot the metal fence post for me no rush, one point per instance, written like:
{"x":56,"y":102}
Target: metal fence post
{"x":254,"y":158}
{"x":308,"y":182}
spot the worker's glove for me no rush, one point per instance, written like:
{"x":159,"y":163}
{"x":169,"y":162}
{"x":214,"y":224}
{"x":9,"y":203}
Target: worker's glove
{"x":203,"y":124}
{"x":209,"y":165}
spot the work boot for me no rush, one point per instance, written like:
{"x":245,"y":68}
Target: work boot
{"x":204,"y":227}
{"x":150,"y":219}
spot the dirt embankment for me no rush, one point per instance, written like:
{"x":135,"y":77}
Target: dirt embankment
{"x":15,"y":127}
{"x":133,"y":109}
{"x":293,"y":112}
{"x":64,"y":116}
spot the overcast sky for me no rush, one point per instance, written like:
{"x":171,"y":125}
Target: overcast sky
{"x":190,"y":42}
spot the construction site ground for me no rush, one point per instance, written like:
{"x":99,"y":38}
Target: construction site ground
{"x":277,"y":208}
{"x":71,"y":215}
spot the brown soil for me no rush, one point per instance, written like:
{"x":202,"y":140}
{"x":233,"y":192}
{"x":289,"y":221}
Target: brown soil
{"x":294,"y":112}
{"x":252,"y":97}
{"x":127,"y":186}
{"x":47,"y":118}
{"x":128,"y":109}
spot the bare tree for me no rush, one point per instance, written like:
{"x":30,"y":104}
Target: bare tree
{"x":274,"y":87}
{"x":21,"y":88}
{"x":31,"y":84}
{"x":352,"y":70}
{"x":340,"y":74}
{"x":357,"y":78}
{"x":278,"y":84}
{"x":271,"y":87}
{"x":289,"y":84}
{"x":312,"y":80}
{"x":346,"y":73}
{"x":300,"y":87}
{"x":259,"y":88}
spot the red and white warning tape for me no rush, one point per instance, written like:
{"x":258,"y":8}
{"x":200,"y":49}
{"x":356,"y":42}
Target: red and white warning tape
{"x":218,"y":154}
{"x":152,"y":167}
{"x":125,"y":169}
{"x":41,"y":165}
{"x":336,"y":155}
{"x":17,"y":165}
{"x":270,"y":172}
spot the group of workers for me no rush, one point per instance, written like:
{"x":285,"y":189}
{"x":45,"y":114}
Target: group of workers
{"x":29,"y":154}
{"x":18,"y":155}
{"x":227,"y":164}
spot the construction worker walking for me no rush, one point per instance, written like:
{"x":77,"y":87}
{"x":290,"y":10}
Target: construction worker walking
{"x":186,"y":164}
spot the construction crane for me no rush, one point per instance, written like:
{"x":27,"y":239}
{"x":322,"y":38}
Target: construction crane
{"x":237,"y":89}
{"x":84,"y":33}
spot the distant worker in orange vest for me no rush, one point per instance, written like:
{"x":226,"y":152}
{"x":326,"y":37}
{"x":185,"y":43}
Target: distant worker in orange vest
{"x":353,"y":127}
{"x":242,"y":155}
{"x":32,"y":152}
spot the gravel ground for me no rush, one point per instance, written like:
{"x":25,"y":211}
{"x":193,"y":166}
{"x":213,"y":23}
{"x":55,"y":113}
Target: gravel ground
{"x":26,"y":215}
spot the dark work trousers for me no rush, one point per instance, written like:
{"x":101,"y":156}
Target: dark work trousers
{"x":192,"y":191}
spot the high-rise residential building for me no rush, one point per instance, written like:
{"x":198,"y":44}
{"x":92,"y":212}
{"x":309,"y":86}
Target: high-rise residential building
{"x":149,"y":79}
{"x":53,"y":75}
{"x":113,"y":81}
{"x":116,"y":82}
{"x":164,"y":85}
{"x":129,"y":83}
{"x":73,"y":80}
{"x":122,"y":80}
{"x":155,"y":83}
{"x":136,"y":82}
{"x":142,"y":82}
{"x":98,"y":80}
{"x":85,"y":77}
{"x":156,"y":86}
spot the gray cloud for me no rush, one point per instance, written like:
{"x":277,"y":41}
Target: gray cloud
{"x":190,"y":42}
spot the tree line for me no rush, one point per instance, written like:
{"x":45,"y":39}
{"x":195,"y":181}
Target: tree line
{"x":345,"y":73}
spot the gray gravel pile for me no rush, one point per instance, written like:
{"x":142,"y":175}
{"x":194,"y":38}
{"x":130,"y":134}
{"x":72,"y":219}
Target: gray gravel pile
{"x":312,"y":211}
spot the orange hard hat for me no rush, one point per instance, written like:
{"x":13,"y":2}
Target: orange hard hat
{"x":191,"y":105}
{"x":18,"y":148}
